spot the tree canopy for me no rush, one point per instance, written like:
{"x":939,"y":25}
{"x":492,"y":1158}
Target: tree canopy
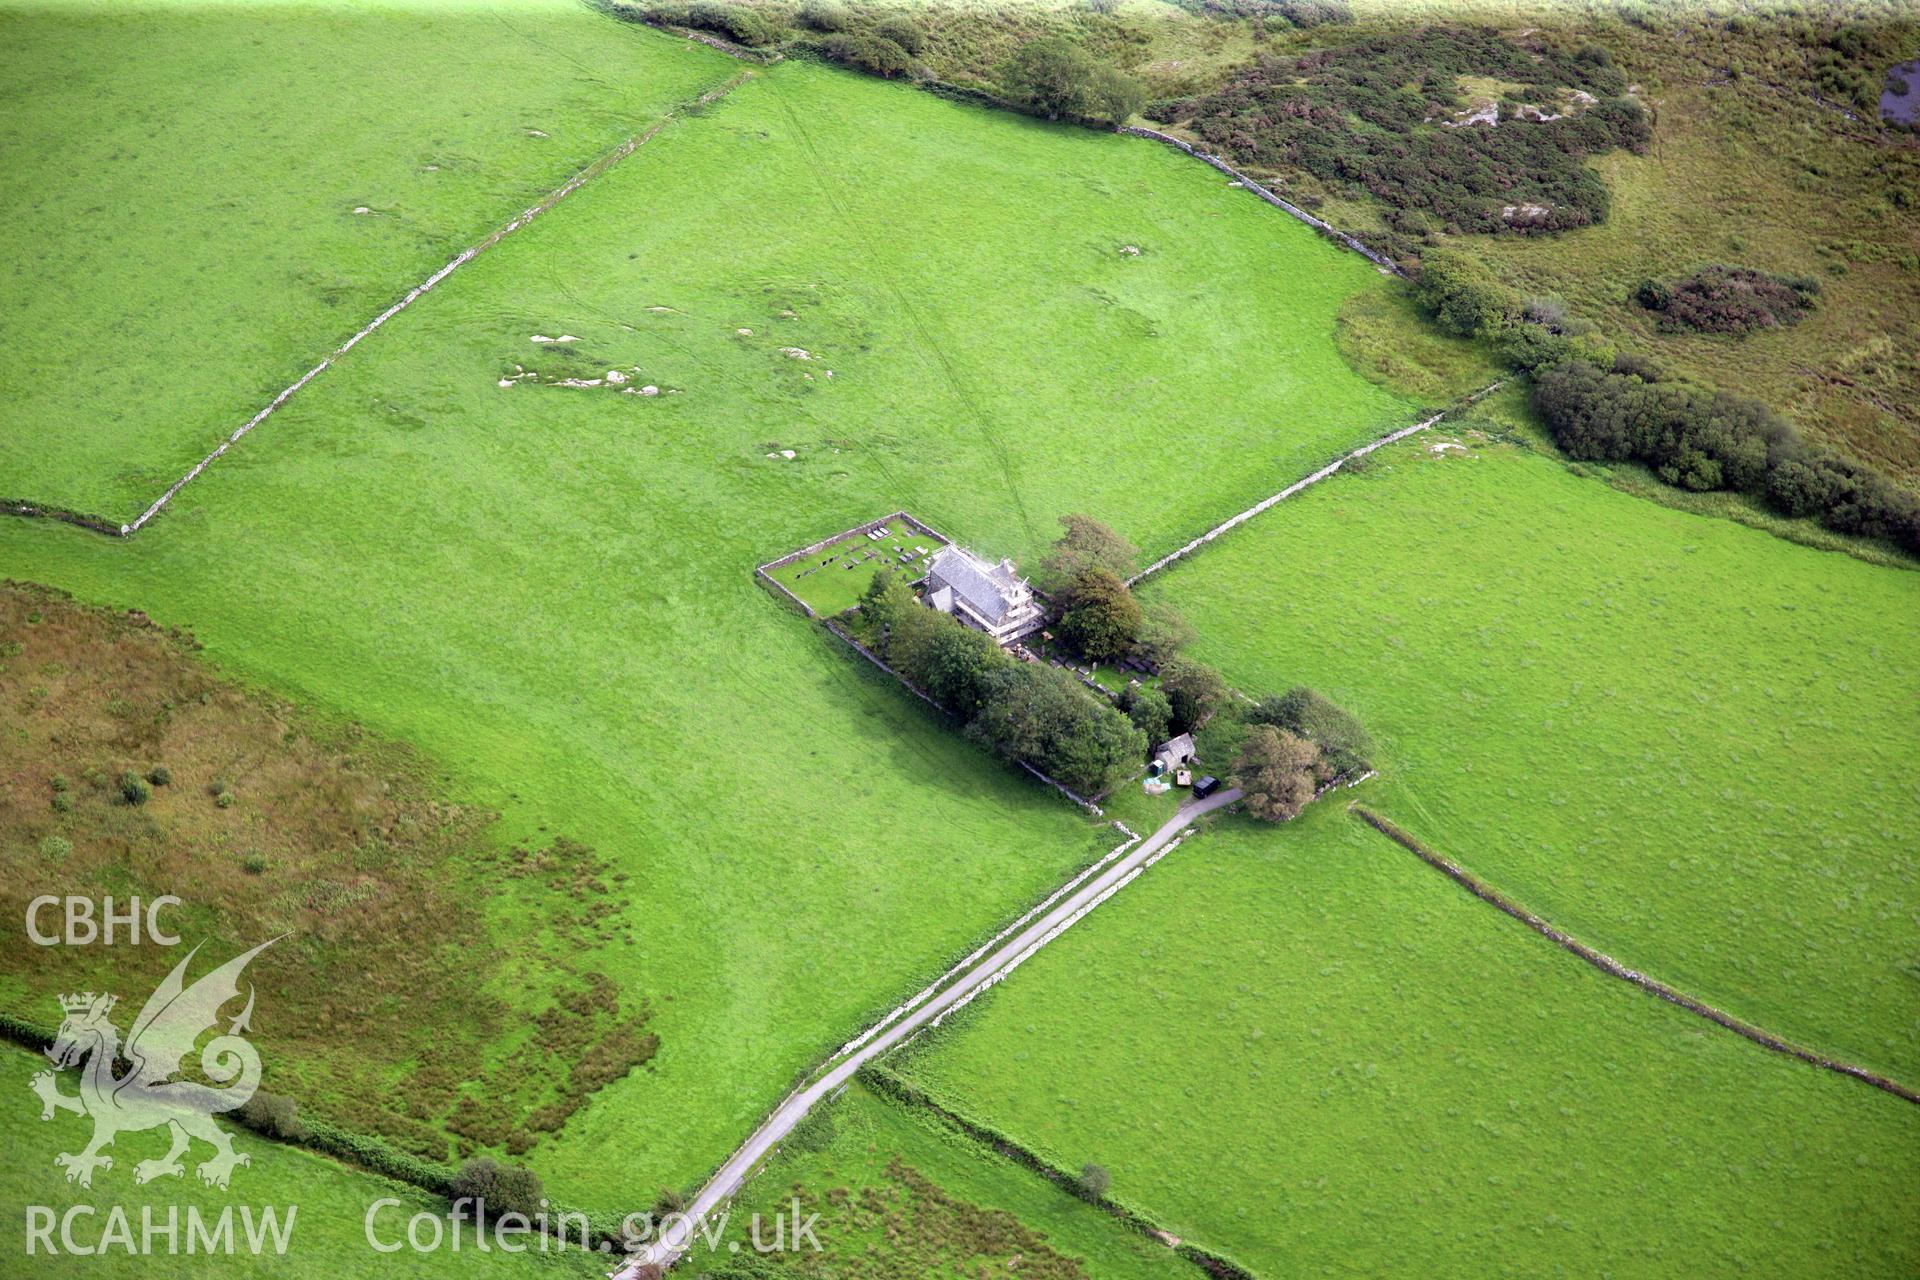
{"x":1278,"y":771}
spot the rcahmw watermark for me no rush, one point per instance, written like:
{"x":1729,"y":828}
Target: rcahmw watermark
{"x":160,"y":1231}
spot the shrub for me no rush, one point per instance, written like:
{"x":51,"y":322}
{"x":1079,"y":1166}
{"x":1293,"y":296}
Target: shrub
{"x":1093,"y":1180}
{"x":872,"y":54}
{"x":1723,"y":299}
{"x":495,"y":1188}
{"x":55,"y":848}
{"x":904,"y":33}
{"x":58,"y":782}
{"x":1357,"y":116}
{"x":1701,"y":439}
{"x":62,"y":802}
{"x":223,"y":800}
{"x":254,"y":863}
{"x":159,"y":775}
{"x":824,"y":16}
{"x":273,"y":1114}
{"x":132,"y":788}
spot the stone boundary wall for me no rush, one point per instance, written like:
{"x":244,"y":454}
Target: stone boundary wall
{"x":901,"y":1093}
{"x":1324,"y":228}
{"x":765,"y":571}
{"x":921,"y":694}
{"x":1613,"y":968}
{"x":593,"y":170}
{"x":1235,"y":522}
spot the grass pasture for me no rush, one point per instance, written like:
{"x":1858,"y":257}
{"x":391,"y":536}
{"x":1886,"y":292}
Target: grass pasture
{"x":203,"y":200}
{"x":547,"y":588}
{"x":1684,"y":741}
{"x":1306,"y":1050}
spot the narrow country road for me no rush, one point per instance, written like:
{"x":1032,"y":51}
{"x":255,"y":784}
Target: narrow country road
{"x":675,"y":1240}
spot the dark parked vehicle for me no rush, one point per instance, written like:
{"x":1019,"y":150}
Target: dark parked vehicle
{"x":1204,"y":787}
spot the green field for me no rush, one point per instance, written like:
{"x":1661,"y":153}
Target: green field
{"x":330,"y":1204}
{"x":548,"y":589}
{"x":1686,"y":742}
{"x":182,"y":186}
{"x":1306,"y":1050}
{"x":902,"y":1196}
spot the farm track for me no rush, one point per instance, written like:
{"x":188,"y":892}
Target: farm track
{"x":597,"y":167}
{"x":977,"y":973}
{"x":1613,"y":968}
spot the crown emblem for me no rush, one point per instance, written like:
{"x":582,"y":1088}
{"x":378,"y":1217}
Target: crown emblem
{"x":86,"y":1002}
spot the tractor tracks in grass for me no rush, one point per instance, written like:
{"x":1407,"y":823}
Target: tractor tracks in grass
{"x":600,"y":165}
{"x":922,"y":336}
{"x":1614,"y":969}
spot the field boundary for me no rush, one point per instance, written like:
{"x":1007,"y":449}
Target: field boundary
{"x":765,"y":571}
{"x":891,"y":1087}
{"x":1613,"y":968}
{"x":594,"y":168}
{"x":1234,"y":522}
{"x":1324,"y":228}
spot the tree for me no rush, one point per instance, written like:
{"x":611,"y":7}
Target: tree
{"x":1194,"y":689}
{"x":954,"y":662}
{"x":1461,"y":298}
{"x":1085,"y":545}
{"x":495,"y":1188}
{"x":1336,"y":731}
{"x":1278,"y":771}
{"x":1094,"y":1180}
{"x":1164,"y":632}
{"x":1050,"y":75}
{"x":883,"y":599}
{"x":1105,"y":619}
{"x":1150,"y":712}
{"x":1057,"y":77}
{"x":1042,"y":715}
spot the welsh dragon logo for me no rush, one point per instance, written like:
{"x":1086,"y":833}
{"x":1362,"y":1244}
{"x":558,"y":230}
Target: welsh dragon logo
{"x":151,"y":1092}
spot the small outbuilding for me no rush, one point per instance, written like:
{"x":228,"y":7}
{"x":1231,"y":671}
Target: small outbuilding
{"x":1173,"y":753}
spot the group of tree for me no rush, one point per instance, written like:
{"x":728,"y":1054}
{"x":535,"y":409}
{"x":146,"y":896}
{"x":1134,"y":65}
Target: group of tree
{"x":1601,"y":405}
{"x":1291,"y":746}
{"x":1701,"y":439}
{"x":1027,"y":712}
{"x":1085,"y":573}
{"x":1368,"y":116}
{"x":1727,"y":299}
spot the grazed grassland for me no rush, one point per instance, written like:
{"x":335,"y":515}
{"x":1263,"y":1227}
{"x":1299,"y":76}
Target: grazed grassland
{"x":1682,"y":740}
{"x":1306,"y":1050}
{"x":179,"y":214}
{"x":548,"y":588}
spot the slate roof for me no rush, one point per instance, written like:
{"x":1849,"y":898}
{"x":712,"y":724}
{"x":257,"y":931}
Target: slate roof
{"x":984,"y":588}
